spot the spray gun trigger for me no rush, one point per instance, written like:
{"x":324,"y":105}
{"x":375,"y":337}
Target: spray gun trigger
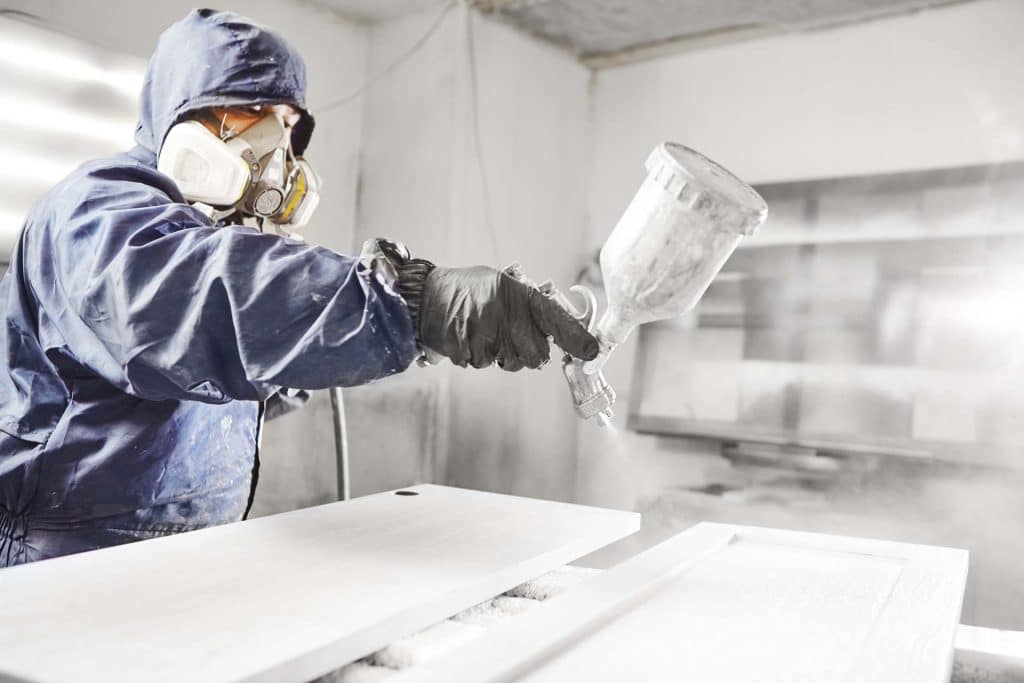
{"x":587,"y":317}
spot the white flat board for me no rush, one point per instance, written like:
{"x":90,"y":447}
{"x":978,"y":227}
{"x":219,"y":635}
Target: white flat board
{"x":728,"y":603}
{"x":287,"y":597}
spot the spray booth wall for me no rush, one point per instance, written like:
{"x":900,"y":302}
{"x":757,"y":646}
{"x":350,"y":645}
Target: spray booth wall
{"x":470,"y":170}
{"x":876,"y":314}
{"x":854,"y":370}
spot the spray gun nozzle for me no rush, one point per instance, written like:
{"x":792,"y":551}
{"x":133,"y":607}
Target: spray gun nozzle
{"x":592,"y":396}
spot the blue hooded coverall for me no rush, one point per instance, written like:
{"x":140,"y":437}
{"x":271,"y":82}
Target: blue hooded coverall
{"x":140,"y":339}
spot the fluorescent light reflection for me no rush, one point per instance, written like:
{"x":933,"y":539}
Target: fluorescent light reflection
{"x":62,"y":101}
{"x":36,"y":169}
{"x":17,"y":112}
{"x":65,"y":65}
{"x":10,"y":228}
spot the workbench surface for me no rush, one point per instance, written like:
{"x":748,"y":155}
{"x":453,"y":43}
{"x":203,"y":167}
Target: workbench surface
{"x":730,"y":604}
{"x":287,"y":597}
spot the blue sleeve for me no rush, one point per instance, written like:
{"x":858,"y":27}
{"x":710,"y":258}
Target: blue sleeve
{"x":149,"y":295}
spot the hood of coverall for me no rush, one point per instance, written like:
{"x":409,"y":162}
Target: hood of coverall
{"x":219,"y":59}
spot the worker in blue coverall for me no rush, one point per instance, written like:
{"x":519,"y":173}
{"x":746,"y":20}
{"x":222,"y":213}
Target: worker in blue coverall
{"x":156,"y":307}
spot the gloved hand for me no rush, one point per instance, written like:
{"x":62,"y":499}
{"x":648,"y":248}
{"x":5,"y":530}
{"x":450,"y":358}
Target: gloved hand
{"x":478,"y":316}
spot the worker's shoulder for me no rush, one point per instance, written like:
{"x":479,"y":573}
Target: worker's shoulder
{"x":117,"y":176}
{"x":119,"y":182}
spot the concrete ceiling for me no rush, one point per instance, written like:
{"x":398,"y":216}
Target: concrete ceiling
{"x":372,"y":11}
{"x":599,"y":30}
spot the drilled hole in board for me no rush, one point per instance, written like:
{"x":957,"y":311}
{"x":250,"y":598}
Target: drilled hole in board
{"x":406,"y":493}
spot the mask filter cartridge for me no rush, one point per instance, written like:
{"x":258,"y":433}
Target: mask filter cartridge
{"x":253,"y":172}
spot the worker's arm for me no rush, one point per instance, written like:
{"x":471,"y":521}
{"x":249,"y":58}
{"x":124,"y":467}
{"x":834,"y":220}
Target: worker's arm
{"x":150,"y":296}
{"x":481,"y":316}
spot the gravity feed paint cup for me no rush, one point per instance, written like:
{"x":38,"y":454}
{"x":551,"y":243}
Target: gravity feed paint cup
{"x":677,"y":233}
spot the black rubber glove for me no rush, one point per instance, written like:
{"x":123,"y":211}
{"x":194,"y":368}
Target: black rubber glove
{"x":479,"y":316}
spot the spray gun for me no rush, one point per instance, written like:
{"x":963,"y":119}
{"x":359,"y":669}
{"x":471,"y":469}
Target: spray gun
{"x":592,"y":396}
{"x":674,"y":237}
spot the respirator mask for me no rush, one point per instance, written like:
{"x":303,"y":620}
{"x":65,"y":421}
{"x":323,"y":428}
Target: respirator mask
{"x":253,"y":172}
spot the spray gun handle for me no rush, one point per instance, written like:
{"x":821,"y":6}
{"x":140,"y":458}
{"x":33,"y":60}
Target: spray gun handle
{"x":515,"y":271}
{"x":547,"y":288}
{"x":592,"y":396}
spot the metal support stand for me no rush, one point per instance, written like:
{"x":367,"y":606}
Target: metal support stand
{"x":340,"y":442}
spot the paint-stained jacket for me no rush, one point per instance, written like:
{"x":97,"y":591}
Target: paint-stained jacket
{"x":139,"y":340}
